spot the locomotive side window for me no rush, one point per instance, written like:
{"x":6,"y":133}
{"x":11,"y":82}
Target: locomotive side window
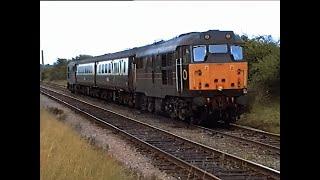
{"x":221,"y":48}
{"x":169,"y":59}
{"x":199,"y":52}
{"x":236,"y":52}
{"x":164,"y":60}
{"x":185,"y":54}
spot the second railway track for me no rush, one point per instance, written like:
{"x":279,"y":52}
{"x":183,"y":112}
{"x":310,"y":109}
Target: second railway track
{"x":202,"y":162}
{"x":260,"y":138}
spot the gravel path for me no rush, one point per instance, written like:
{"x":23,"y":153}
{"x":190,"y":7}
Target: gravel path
{"x":107,"y":140}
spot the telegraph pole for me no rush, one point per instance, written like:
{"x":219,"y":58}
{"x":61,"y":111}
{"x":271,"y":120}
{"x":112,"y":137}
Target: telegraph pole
{"x":42,"y":66}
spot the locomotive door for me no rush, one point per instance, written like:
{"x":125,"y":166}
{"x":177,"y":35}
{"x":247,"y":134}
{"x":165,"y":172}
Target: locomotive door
{"x":179,"y":70}
{"x":179,"y":75}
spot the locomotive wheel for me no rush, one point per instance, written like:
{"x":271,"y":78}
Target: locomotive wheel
{"x":182,"y":114}
{"x":150,"y":107}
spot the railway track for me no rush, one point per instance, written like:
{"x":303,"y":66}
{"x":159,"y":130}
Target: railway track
{"x":181,"y":157}
{"x":245,"y":134}
{"x":242,"y":134}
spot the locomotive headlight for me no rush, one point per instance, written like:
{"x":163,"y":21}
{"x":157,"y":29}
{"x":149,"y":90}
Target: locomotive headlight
{"x":228,"y":36}
{"x":220,"y":88}
{"x":245,"y":91}
{"x":207,"y":36}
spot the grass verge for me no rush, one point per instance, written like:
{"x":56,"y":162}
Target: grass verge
{"x":64,"y":155}
{"x":263,"y":116}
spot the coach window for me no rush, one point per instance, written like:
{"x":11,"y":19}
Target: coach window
{"x":102,"y":69}
{"x":124,"y":68}
{"x":199,"y":52}
{"x":118,"y":65}
{"x":105,"y":68}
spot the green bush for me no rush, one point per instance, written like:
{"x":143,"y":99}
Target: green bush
{"x":263,"y":55}
{"x":58,"y":71}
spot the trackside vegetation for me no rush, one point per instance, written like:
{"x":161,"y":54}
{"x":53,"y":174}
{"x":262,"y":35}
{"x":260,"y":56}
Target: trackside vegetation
{"x":65,"y":155}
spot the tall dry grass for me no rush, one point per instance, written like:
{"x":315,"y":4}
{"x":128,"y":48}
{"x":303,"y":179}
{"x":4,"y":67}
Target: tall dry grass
{"x":264,"y":116}
{"x":64,"y":155}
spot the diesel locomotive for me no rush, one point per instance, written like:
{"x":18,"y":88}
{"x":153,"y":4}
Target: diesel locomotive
{"x":199,"y":77}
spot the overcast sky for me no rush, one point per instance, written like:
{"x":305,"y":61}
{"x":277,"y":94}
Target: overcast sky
{"x":68,"y":29}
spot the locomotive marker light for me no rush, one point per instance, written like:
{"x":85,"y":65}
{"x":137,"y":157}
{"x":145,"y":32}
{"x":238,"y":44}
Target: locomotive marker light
{"x":245,"y":91}
{"x":228,"y":36}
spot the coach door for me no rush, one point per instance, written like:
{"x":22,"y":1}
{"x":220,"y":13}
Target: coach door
{"x":95,"y":73}
{"x":75,"y":67}
{"x":132,"y":73}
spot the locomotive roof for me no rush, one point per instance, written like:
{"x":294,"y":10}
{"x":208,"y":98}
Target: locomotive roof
{"x":193,"y":38}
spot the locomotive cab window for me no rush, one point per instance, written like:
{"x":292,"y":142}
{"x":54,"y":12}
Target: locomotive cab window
{"x":236,"y":52}
{"x":220,"y":48}
{"x":199,"y":52}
